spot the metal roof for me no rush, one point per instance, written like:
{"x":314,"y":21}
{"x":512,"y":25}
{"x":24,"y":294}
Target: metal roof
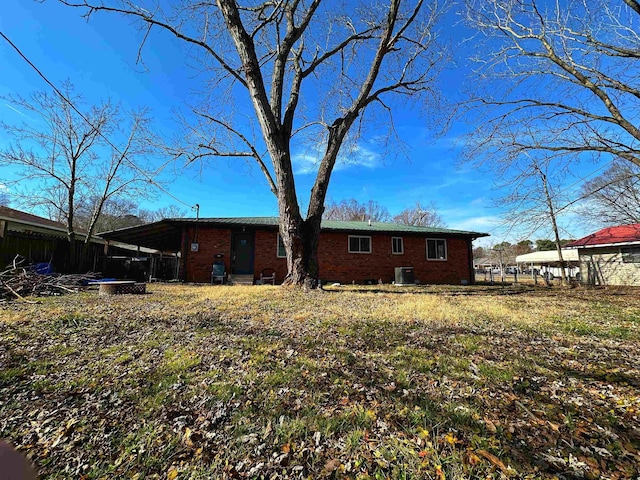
{"x":25,"y":218}
{"x":339,"y":225}
{"x":163,"y":235}
{"x":548,"y":256}
{"x":167,"y":234}
{"x":626,"y":234}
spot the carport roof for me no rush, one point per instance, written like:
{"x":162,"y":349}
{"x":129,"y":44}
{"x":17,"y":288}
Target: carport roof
{"x":548,"y":257}
{"x":167,"y":234}
{"x":163,"y":235}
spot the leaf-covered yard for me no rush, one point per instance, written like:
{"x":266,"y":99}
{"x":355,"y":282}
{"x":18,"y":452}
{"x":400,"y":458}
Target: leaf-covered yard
{"x":265,"y":382}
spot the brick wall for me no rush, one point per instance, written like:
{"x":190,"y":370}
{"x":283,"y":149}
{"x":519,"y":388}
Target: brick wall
{"x":199,"y":264}
{"x":266,"y":255}
{"x":336,"y":263}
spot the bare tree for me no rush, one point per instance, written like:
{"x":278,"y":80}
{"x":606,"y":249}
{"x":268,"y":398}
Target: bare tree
{"x":557,"y":77}
{"x":552,"y":210}
{"x":420,"y":216}
{"x":479,"y":252}
{"x":523,"y":247}
{"x":4,"y":198}
{"x":535,"y":198}
{"x":557,"y":83}
{"x":302,"y":66}
{"x":66,"y":162}
{"x":116,"y":213}
{"x":352,"y":210}
{"x":172,"y":211}
{"x":613,"y":198}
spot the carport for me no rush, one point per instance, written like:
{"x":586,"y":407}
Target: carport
{"x":164,"y":236}
{"x":549,"y":261}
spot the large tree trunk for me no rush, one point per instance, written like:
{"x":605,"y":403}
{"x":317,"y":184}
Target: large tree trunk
{"x":300,"y":237}
{"x":302,"y":257}
{"x":71,"y":236}
{"x":304,"y":235}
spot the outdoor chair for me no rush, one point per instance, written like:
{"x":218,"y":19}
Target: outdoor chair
{"x":218,"y":273}
{"x":268,"y":275}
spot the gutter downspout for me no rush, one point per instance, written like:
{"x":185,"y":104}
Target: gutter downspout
{"x":184,"y":254}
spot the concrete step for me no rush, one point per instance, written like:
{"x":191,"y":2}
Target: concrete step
{"x":235,"y":279}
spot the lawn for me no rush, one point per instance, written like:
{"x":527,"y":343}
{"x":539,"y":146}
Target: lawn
{"x":353,"y":382}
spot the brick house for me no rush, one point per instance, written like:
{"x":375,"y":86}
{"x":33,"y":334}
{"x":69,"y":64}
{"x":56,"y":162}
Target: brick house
{"x":349,"y":252}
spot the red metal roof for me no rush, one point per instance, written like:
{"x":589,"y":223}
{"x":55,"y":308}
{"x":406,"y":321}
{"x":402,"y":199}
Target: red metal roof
{"x":609,"y":235}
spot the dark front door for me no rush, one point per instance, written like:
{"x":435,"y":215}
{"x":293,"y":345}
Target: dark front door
{"x":243,"y":253}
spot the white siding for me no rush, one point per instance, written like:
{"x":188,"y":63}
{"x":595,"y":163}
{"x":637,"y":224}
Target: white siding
{"x":604,"y":266}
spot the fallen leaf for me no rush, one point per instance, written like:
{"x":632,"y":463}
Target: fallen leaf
{"x":332,"y":465}
{"x":491,"y":427}
{"x":172,"y":474}
{"x":187,"y":438}
{"x":493,"y":459}
{"x":450,"y":438}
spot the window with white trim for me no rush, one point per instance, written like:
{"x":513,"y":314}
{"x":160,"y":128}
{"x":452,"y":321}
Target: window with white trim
{"x":436,"y":249}
{"x":281,"y":252}
{"x":359,"y":244}
{"x":397,"y":245}
{"x":630,"y":254}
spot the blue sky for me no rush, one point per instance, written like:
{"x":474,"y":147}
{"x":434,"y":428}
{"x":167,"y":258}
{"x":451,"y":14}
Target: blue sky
{"x":99,"y":57}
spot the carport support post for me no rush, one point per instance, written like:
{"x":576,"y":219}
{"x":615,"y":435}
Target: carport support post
{"x":105,"y":260}
{"x":151,"y":267}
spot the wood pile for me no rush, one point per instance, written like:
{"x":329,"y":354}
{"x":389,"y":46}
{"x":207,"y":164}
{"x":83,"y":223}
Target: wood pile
{"x":18,"y":282}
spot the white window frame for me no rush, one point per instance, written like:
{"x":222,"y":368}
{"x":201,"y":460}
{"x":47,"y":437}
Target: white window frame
{"x":278,"y":242}
{"x":359,"y":236}
{"x":401,"y":252}
{"x":444,"y":240}
{"x":630,"y":254}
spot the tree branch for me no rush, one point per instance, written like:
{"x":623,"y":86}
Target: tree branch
{"x":145,"y":17}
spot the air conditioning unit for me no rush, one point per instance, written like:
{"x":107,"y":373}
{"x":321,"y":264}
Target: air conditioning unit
{"x":404,"y":276}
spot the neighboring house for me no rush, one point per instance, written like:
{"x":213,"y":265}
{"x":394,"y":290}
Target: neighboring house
{"x":485,"y":264}
{"x":610,"y":256}
{"x":360,"y":252}
{"x":38,"y":240}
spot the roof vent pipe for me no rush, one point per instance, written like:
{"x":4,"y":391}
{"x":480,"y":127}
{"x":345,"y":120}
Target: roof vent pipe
{"x":369,"y":222}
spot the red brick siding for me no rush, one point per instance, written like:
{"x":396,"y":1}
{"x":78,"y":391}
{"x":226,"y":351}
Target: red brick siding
{"x":212,"y":241}
{"x":336,"y":263}
{"x":266,"y":255}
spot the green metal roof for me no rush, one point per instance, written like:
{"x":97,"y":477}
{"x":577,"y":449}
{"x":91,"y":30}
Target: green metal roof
{"x":167,"y":234}
{"x":335,"y":225}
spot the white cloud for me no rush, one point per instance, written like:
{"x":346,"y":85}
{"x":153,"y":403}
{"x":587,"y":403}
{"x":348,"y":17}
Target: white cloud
{"x":3,"y":187}
{"x":476,"y":223}
{"x":357,"y":155}
{"x":14,"y":109}
{"x":459,"y":179}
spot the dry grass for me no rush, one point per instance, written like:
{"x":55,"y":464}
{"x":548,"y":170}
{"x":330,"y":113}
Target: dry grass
{"x":356,"y":382}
